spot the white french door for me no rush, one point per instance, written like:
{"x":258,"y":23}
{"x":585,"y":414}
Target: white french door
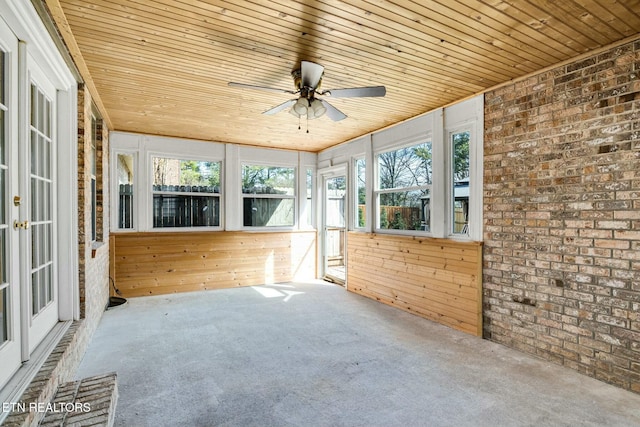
{"x":28,"y":226}
{"x":38,"y":175}
{"x":10,"y":332}
{"x":334,"y":225}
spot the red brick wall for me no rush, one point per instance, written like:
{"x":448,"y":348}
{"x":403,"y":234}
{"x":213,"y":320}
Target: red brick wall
{"x":93,"y":257}
{"x":562,"y":216}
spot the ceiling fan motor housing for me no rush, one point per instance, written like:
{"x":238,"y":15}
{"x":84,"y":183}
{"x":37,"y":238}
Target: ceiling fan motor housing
{"x":297,"y":83}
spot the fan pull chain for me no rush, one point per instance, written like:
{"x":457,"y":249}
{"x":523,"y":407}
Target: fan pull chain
{"x":307,"y":124}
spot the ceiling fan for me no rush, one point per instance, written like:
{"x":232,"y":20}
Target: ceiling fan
{"x":307,"y":80}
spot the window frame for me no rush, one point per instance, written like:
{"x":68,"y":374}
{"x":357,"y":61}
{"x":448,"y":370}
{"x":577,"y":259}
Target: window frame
{"x":93,"y":174}
{"x":465,"y":116}
{"x":356,"y":196}
{"x":307,"y":219}
{"x":115,"y":190}
{"x":450,"y":200}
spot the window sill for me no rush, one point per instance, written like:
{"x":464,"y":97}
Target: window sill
{"x":94,"y":248}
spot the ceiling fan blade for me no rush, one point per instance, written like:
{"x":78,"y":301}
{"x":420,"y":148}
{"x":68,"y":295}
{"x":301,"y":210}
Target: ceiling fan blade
{"x":332,"y":112}
{"x":280,"y":107}
{"x":269,"y":89}
{"x":311,"y":74}
{"x":356,"y":92}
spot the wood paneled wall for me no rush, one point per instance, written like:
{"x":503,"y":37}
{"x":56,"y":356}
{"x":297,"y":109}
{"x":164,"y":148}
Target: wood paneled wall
{"x":162,"y":263}
{"x":438,"y":279}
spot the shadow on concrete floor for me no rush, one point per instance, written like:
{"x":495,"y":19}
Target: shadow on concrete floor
{"x":313,"y":354}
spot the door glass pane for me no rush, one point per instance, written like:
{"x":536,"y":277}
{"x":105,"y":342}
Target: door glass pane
{"x":4,"y":315}
{"x":334,"y":240}
{"x":40,"y":112}
{"x":34,"y":152}
{"x":2,"y":134}
{"x":336,"y":192}
{"x":2,"y":194}
{"x":46,"y":167}
{"x":47,"y":284}
{"x":4,"y":259}
{"x":47,"y":256}
{"x":35,"y":300}
{"x":46,"y":128}
{"x":34,"y":202}
{"x":3,"y":106}
{"x":46,"y":200}
{"x":2,"y":77}
{"x":34,"y":106}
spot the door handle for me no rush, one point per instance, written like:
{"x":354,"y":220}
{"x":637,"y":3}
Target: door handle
{"x":20,"y":225}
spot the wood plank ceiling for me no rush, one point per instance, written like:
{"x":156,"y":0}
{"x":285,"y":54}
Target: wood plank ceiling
{"x":162,"y":66}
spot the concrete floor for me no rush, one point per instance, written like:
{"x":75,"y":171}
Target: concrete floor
{"x":316,"y":355}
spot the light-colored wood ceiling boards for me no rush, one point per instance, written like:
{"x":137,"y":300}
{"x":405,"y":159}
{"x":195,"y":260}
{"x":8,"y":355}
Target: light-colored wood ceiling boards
{"x":162,"y":66}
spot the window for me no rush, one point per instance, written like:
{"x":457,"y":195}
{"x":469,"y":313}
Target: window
{"x":268,"y":194}
{"x":125,"y":175}
{"x":186,"y":193}
{"x":404,"y":188}
{"x":93,"y":161}
{"x":94,"y":172}
{"x":460,"y":182}
{"x":361,"y":193}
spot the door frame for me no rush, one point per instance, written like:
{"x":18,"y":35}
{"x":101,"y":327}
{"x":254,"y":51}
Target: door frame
{"x":323,"y":174}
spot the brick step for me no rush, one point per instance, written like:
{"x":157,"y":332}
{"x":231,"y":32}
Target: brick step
{"x":87,"y":402}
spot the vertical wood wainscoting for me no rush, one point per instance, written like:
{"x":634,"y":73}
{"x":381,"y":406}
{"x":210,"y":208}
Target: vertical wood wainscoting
{"x":163,"y":263}
{"x":438,"y":279}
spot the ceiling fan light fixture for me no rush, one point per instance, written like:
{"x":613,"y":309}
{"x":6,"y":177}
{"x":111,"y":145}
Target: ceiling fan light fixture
{"x":293,"y":113}
{"x":300,"y":107}
{"x":316,"y":109}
